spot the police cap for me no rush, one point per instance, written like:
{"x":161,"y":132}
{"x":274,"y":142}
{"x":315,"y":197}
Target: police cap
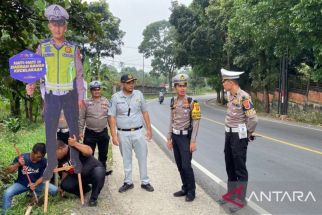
{"x":230,"y":75}
{"x":180,"y":79}
{"x":95,"y":85}
{"x":56,"y":13}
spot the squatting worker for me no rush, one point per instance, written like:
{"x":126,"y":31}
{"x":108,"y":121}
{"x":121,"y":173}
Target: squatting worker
{"x":127,"y":109}
{"x":93,"y":116}
{"x":63,"y":85}
{"x":240,"y":123}
{"x":184,"y":124}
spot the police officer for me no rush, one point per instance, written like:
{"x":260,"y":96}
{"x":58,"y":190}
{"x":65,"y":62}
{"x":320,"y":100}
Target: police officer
{"x":184,"y":123}
{"x":63,"y":85}
{"x":94,"y":116}
{"x":240,"y":123}
{"x":127,"y":109}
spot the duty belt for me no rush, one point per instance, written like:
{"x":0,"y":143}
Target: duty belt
{"x":63,"y":130}
{"x":233,"y":130}
{"x":179,"y":132}
{"x":130,"y":129}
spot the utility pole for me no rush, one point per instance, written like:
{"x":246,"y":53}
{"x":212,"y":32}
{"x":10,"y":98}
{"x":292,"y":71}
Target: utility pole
{"x":143,"y":75}
{"x":284,"y":86}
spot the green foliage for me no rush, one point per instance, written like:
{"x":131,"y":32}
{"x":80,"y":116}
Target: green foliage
{"x":158,"y":42}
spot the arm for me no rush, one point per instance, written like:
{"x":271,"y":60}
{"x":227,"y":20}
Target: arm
{"x":112,"y":123}
{"x":12,"y":168}
{"x":79,"y":78}
{"x":251,"y":116}
{"x":146,"y":117}
{"x":17,"y":162}
{"x":81,"y":121}
{"x":147,"y":121}
{"x":170,"y":126}
{"x":82,"y":148}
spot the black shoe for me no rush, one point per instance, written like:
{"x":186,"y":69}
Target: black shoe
{"x":108,"y":172}
{"x":190,"y":196}
{"x":180,"y":193}
{"x":221,"y":201}
{"x":92,"y":203}
{"x":147,"y":187}
{"x":125,"y":187}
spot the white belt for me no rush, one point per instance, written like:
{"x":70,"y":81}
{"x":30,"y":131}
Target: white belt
{"x":63,"y":130}
{"x":233,"y":130}
{"x":180,"y":132}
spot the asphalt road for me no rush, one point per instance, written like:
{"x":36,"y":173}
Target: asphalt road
{"x":284,"y":162}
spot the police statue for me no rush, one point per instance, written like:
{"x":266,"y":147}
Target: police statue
{"x":184,"y":123}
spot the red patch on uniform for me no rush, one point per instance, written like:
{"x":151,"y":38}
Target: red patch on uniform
{"x":68,"y":49}
{"x":246,"y":104}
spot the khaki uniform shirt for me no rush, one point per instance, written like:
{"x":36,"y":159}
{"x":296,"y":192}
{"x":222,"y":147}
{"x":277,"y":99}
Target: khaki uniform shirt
{"x":94,"y":115}
{"x":241,"y":110}
{"x":180,"y":117}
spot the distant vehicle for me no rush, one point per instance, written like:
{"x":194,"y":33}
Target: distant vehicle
{"x":161,"y":96}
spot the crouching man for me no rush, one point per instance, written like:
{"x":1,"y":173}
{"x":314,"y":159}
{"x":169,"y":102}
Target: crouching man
{"x":35,"y":164}
{"x":92,"y":172}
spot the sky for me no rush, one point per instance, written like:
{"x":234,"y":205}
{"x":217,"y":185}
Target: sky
{"x":135,"y":15}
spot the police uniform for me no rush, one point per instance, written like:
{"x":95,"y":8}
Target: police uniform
{"x":63,"y":87}
{"x":183,"y":130}
{"x":240,"y":123}
{"x":128,"y":109}
{"x":94,"y":118}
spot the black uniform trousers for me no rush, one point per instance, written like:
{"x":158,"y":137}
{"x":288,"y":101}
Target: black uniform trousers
{"x":91,"y":138}
{"x":183,"y":156}
{"x":53,"y":106}
{"x":235,"y":158}
{"x":96,"y":177}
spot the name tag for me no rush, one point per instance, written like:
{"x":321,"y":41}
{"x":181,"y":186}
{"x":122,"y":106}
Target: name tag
{"x":242,"y":131}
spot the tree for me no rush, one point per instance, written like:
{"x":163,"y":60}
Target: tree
{"x":158,"y":42}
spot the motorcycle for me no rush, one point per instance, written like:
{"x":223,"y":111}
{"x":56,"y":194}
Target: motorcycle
{"x":161,"y":98}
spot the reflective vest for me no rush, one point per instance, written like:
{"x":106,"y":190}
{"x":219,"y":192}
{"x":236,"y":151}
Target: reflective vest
{"x":60,"y":65}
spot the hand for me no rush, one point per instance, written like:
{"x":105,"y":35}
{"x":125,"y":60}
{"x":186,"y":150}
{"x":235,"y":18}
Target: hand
{"x":193,"y":147}
{"x":21,"y":161}
{"x":115,"y":140}
{"x":72,"y":141}
{"x":81,"y":137}
{"x":170,"y":145}
{"x":32,"y":186}
{"x":250,"y":137}
{"x":30,"y":88}
{"x":148,"y":134}
{"x":81,"y":104}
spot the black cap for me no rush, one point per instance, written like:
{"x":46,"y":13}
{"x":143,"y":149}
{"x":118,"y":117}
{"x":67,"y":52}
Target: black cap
{"x":127,"y":78}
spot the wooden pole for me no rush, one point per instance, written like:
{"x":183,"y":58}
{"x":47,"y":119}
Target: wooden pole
{"x":46,"y":196}
{"x":80,"y":184}
{"x":28,"y":211}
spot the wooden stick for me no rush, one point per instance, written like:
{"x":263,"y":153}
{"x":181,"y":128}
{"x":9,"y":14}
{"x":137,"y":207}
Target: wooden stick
{"x":28,"y":211}
{"x":80,"y":188}
{"x":46,"y":196}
